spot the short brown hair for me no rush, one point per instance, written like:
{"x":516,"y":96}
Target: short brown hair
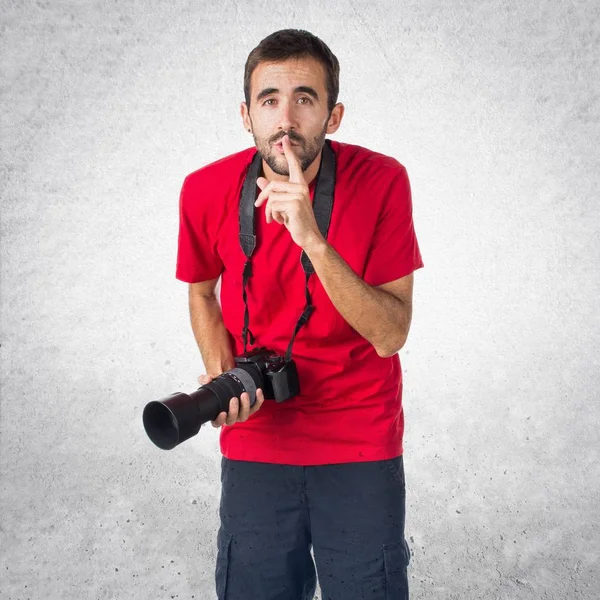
{"x":295,"y":43}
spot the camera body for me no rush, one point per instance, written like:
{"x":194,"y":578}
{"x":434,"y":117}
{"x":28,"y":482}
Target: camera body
{"x":280,"y":378}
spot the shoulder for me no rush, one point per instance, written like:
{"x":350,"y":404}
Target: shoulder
{"x":221,"y":174}
{"x":357,"y":161}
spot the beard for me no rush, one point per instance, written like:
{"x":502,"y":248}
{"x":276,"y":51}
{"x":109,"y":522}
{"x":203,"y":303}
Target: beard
{"x":306,"y":151}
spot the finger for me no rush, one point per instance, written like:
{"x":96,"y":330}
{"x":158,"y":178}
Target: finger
{"x":260,"y":398}
{"x":220,"y":420}
{"x":266,"y":191}
{"x":245,"y":408}
{"x":273,"y":186}
{"x":277,"y":204}
{"x":234,"y":408}
{"x":293,"y":163}
{"x":261,"y":197}
{"x":277,"y":216}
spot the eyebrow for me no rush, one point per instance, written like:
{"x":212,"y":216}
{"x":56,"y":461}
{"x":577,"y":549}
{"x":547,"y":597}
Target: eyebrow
{"x":304,"y":89}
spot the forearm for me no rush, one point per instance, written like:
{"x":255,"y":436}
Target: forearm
{"x":379,"y":317}
{"x":211,"y":335}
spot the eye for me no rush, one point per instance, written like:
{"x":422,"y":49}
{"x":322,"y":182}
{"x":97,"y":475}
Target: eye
{"x":308,"y":101}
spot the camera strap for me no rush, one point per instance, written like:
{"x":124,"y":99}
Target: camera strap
{"x":322,"y":207}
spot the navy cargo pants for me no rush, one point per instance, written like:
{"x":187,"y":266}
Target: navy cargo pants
{"x":351,"y":514}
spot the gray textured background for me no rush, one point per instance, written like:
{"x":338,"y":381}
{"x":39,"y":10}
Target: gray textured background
{"x":493,"y":107}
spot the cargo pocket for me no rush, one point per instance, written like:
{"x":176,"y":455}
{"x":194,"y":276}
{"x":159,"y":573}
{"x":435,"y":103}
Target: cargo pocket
{"x":396,"y":558}
{"x":222,"y":566}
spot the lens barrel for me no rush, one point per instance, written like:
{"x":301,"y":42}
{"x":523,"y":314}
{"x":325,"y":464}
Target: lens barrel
{"x":178,"y":417}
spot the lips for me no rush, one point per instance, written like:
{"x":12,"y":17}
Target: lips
{"x":279,"y":146}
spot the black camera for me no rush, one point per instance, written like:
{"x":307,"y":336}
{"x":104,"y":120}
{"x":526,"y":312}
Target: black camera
{"x":178,"y":417}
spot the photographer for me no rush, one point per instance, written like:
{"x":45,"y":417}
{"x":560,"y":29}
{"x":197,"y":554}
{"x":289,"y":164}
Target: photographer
{"x":324,"y":469}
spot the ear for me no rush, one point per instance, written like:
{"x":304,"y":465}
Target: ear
{"x":336,"y":118}
{"x":245,"y":117}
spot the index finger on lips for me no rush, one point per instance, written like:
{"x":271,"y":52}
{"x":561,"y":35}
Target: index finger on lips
{"x":292,"y":160}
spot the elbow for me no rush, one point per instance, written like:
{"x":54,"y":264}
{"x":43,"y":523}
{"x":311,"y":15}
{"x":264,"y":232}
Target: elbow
{"x":384,"y":354}
{"x":387,"y":351}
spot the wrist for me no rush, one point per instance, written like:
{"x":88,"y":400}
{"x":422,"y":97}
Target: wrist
{"x":316,"y":246}
{"x":215,"y":366}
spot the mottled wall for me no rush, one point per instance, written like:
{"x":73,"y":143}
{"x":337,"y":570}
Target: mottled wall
{"x":493,"y":107}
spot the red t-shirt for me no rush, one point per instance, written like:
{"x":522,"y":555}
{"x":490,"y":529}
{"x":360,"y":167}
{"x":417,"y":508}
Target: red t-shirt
{"x":350,"y":405}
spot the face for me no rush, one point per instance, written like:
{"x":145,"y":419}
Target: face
{"x":290,"y":97}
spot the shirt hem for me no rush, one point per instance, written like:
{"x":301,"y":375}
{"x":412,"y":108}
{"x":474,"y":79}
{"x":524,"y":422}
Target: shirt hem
{"x":315,"y":458}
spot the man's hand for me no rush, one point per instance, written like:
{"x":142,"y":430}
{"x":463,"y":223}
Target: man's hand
{"x":235,"y":414}
{"x":289,"y":202}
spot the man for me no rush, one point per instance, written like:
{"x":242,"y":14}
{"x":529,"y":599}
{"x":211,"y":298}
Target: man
{"x":323,"y":470}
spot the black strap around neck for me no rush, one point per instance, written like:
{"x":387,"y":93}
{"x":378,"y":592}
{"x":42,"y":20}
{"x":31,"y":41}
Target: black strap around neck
{"x":322,"y":207}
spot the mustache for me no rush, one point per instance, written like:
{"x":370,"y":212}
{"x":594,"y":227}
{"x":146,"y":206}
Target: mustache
{"x":292,"y":137}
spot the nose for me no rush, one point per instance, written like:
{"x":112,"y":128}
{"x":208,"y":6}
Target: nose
{"x":287,"y":118}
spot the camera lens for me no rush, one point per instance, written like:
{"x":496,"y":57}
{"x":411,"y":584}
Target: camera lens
{"x":161,"y":425}
{"x":178,"y":417}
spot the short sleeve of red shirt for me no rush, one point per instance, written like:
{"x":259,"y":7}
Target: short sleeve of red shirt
{"x":394,"y":251}
{"x":197,"y":255}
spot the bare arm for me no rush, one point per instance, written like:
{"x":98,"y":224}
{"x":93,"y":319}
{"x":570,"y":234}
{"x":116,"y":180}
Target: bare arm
{"x":215,"y":347}
{"x":381,"y":314}
{"x":209,"y":330}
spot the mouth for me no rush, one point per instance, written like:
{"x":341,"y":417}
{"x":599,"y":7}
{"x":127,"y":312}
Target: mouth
{"x":279,"y":146}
